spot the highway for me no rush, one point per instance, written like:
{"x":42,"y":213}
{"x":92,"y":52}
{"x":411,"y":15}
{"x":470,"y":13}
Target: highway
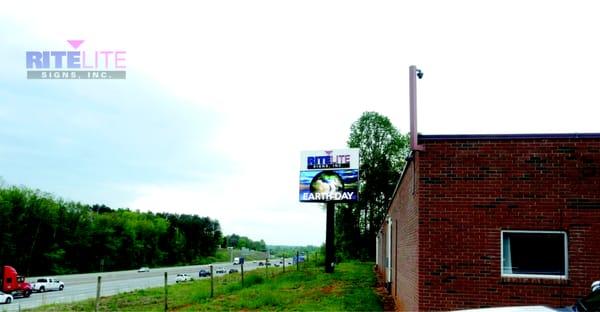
{"x":83,"y":286}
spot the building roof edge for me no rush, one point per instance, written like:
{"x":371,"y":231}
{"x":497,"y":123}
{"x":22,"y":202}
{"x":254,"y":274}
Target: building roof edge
{"x":518,"y":136}
{"x":409,"y":159}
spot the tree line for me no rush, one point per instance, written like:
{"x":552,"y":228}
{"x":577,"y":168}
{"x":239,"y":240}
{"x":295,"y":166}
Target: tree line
{"x":289,"y":251}
{"x":383,"y":150}
{"x":41,"y":234}
{"x":239,"y":242}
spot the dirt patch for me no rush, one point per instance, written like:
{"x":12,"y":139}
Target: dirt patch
{"x":181,"y":307}
{"x":389,"y":304}
{"x":331,"y":289}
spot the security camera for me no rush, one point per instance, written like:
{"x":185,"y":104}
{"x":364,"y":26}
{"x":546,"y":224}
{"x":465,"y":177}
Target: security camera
{"x":419,"y":74}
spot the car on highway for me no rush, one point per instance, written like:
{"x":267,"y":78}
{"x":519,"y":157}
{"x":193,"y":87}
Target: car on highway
{"x":261,"y":263}
{"x":46,"y":284}
{"x":182,"y":277}
{"x":220,"y":271}
{"x":203,"y":273}
{"x":143,"y":269}
{"x":5,"y":298}
{"x":233,"y":271}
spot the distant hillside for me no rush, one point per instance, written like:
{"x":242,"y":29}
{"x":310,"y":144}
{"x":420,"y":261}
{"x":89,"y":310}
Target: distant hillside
{"x":280,"y":250}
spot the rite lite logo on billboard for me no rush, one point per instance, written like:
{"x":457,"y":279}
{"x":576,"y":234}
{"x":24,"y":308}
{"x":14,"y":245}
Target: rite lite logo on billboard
{"x":328,"y":161}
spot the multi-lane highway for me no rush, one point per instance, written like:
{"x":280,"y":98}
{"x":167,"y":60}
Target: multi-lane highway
{"x":83,"y":286}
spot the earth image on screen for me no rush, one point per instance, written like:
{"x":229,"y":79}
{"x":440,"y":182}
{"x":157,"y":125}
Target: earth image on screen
{"x":326,"y":182}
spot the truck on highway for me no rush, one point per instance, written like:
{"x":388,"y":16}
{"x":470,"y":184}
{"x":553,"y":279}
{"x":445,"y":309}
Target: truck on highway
{"x":298,"y":259}
{"x":47,"y":283}
{"x":12,"y":283}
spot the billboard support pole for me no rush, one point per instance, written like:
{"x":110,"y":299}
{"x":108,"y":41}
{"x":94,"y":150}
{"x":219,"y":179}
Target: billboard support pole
{"x":329,"y":237}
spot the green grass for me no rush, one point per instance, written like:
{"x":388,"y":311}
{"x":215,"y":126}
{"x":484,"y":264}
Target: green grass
{"x":350,"y":288}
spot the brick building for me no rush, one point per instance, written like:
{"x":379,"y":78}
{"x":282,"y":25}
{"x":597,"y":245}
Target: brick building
{"x":494,"y":220}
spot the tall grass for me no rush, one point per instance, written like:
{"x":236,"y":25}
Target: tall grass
{"x":350,"y":288}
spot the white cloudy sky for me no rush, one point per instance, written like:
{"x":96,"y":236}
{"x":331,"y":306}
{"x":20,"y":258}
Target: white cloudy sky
{"x":221,"y":96}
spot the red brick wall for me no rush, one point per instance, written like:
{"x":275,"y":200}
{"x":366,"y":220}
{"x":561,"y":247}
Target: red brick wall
{"x":404,"y":213}
{"x":468,"y":192}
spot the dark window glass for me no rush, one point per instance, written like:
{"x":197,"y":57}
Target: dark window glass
{"x":533,"y":253}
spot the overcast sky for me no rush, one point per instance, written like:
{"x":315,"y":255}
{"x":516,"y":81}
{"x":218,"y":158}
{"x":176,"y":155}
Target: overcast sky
{"x":221,"y":96}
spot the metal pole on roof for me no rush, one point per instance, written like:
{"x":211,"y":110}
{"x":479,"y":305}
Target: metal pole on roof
{"x":413,"y":72}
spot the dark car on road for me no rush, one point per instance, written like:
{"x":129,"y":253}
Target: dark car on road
{"x":203,"y":273}
{"x":233,"y":271}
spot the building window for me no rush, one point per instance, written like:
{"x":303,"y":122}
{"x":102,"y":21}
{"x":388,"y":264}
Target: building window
{"x":534,"y":254}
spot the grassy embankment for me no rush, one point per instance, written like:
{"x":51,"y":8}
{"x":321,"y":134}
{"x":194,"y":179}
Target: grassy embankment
{"x":350,"y":288}
{"x":225,"y":255}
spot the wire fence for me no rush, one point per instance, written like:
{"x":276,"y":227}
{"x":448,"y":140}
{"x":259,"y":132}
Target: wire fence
{"x":160,"y":289}
{"x":223,"y":280}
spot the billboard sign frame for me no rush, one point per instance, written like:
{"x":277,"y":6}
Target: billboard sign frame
{"x":329,"y":175}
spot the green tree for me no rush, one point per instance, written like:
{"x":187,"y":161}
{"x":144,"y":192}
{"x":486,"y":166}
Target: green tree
{"x":45,"y":235}
{"x":240,"y":242}
{"x":382,"y":152}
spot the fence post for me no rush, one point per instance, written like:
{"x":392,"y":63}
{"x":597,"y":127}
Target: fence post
{"x":283,"y":263}
{"x":267,"y":267}
{"x":212,"y":282}
{"x":166,"y":292}
{"x":98,"y":293}
{"x":297,"y":260}
{"x":242,"y":267}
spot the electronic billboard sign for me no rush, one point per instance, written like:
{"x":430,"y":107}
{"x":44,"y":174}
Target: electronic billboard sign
{"x":329,"y":175}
